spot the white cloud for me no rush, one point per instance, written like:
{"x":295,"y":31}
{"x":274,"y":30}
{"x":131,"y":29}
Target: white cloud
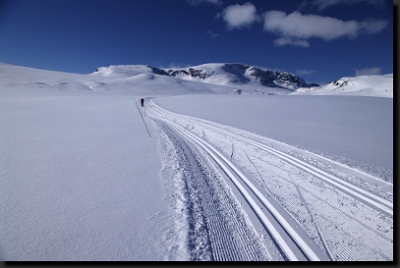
{"x":294,"y":28}
{"x":174,"y":65}
{"x":212,"y":34}
{"x":368,"y":71}
{"x":323,"y":4}
{"x":306,"y":26}
{"x":283,"y":41}
{"x":304,"y":71}
{"x":372,"y":26}
{"x":238,"y":16}
{"x":198,"y":2}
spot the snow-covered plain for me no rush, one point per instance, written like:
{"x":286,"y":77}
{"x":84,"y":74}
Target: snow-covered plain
{"x":88,"y":174}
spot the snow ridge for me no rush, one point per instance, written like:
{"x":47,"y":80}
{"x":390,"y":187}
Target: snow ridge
{"x":366,"y":85}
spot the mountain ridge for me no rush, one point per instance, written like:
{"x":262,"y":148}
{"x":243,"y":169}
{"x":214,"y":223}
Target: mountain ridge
{"x":206,"y":78}
{"x":365,"y":85}
{"x":216,"y":73}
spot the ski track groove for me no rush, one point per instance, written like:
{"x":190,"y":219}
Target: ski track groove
{"x":363,"y":247}
{"x":379,"y":202}
{"x":196,"y":246}
{"x":369,"y":239}
{"x":311,"y":216}
{"x":219,"y":243}
{"x":336,"y":208}
{"x":223,"y":129}
{"x":309,"y":253}
{"x":301,"y":215}
{"x":317,"y":173}
{"x":248,"y":249}
{"x":360,"y":252}
{"x":233,"y":254}
{"x":282,"y":221}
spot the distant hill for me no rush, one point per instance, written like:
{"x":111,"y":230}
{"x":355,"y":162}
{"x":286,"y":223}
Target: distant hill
{"x":367,"y":85}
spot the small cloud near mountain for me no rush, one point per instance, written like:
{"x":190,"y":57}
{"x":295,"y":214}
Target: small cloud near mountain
{"x":304,"y":71}
{"x":198,"y":2}
{"x":368,"y":71}
{"x":239,"y":16}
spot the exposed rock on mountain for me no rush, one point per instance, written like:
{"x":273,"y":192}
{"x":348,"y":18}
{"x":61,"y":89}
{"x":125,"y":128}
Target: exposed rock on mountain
{"x":239,"y":74}
{"x":231,"y":74}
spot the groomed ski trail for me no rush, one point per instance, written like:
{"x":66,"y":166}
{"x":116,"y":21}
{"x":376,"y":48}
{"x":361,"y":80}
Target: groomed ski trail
{"x":298,"y":234}
{"x":210,"y":224}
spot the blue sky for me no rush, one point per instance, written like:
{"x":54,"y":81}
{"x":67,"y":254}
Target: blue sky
{"x":320,"y":40}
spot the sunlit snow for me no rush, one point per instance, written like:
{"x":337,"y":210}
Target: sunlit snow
{"x":86,"y":173}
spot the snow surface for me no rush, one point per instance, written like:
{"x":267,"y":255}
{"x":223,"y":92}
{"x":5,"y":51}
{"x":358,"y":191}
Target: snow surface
{"x":79,"y":179}
{"x":344,"y":214}
{"x":366,"y":85}
{"x":88,"y":174}
{"x":358,"y":130}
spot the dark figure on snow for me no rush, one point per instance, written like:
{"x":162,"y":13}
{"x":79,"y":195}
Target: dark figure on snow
{"x":142,"y":102}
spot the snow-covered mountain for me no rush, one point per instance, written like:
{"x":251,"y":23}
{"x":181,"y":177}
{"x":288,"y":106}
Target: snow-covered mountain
{"x":121,"y":71}
{"x":226,"y":74}
{"x":137,"y":79}
{"x":367,"y":85}
{"x":233,"y":73}
{"x":206,"y":78}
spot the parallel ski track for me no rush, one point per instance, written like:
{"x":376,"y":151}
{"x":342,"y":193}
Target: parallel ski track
{"x":366,"y":197}
{"x":238,"y":178}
